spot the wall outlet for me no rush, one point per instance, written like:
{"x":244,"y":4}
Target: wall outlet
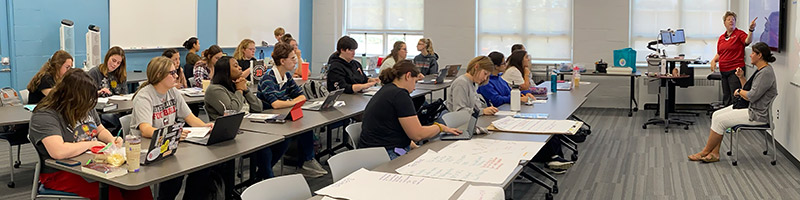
{"x":5,"y":61}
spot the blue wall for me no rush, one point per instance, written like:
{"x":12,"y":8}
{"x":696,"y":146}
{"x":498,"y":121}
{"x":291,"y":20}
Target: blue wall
{"x":34,"y":32}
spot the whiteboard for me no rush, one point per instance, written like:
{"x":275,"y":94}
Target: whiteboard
{"x":256,"y":20}
{"x":149,"y":24}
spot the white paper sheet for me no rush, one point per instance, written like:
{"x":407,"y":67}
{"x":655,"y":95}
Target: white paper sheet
{"x":367,"y":185}
{"x":483,"y":193}
{"x":474,"y":168}
{"x":536,"y":126}
{"x":197,"y":131}
{"x":523,"y":150}
{"x":126,"y":97}
{"x":505,"y":113}
{"x":102,"y":100}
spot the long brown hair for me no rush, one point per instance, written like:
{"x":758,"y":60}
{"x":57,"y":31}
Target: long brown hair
{"x":398,"y":71}
{"x":120,"y":72}
{"x":238,"y":54}
{"x":393,"y":54}
{"x":517,"y":60}
{"x":157,"y":69}
{"x":51,"y":67}
{"x":73,"y":98}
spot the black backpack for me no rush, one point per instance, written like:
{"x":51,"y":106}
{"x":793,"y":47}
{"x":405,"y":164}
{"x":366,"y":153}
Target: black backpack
{"x":428,"y":113}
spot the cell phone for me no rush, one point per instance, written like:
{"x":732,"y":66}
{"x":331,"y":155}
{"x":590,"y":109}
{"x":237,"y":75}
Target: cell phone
{"x":69,"y":162}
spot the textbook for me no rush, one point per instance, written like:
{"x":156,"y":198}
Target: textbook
{"x":103,"y":170}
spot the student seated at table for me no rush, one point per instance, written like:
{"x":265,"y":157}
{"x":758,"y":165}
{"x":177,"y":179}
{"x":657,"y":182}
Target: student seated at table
{"x":427,"y":60}
{"x":173,"y":55}
{"x":193,"y":45}
{"x":65,"y":125}
{"x":204,"y":68}
{"x":390,"y":120}
{"x":245,"y":54}
{"x":344,"y":72}
{"x":398,"y":53}
{"x":298,"y":71}
{"x":497,"y":90}
{"x":278,"y":90}
{"x":516,"y":47}
{"x":228,"y":90}
{"x":518,"y":72}
{"x":48,"y":76}
{"x":110,"y":78}
{"x":464,"y":89}
{"x":279,"y":32}
{"x":751,"y":106}
{"x":158,"y":103}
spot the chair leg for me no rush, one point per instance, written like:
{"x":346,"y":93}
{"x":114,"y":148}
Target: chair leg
{"x":774,"y":152}
{"x":766,"y":141}
{"x":19,"y":161}
{"x":730,"y":144}
{"x":736,"y":146}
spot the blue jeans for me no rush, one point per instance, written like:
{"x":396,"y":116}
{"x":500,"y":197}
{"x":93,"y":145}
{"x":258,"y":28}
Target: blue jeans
{"x":266,"y":158}
{"x":305,"y":141}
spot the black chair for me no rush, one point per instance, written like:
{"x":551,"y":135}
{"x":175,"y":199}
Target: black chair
{"x":15,"y":136}
{"x":188,"y":70}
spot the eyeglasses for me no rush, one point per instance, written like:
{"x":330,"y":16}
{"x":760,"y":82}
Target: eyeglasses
{"x":173,"y":72}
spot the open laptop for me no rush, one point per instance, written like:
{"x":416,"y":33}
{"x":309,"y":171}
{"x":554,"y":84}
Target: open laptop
{"x":439,"y":78}
{"x":164,"y":143}
{"x":452,"y":70}
{"x":328,"y":102}
{"x":466,"y":132}
{"x":225,"y":128}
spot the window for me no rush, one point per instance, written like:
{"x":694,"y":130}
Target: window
{"x":543,"y":26}
{"x":700,"y":19}
{"x":377,"y":24}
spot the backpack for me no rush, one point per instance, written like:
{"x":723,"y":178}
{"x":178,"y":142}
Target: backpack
{"x":9,"y":97}
{"x":429,"y":113}
{"x":314,"y":89}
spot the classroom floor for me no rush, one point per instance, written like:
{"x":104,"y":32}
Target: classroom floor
{"x":618,"y":161}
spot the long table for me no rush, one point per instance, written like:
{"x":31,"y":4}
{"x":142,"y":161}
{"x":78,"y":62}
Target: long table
{"x":633,"y":105}
{"x":13,"y":115}
{"x":189,"y":158}
{"x":560,"y":105}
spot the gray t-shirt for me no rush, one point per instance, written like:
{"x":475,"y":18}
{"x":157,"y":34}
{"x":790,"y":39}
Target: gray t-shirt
{"x":464,"y":95}
{"x":158,"y":110}
{"x":116,"y":87}
{"x":46,"y":122}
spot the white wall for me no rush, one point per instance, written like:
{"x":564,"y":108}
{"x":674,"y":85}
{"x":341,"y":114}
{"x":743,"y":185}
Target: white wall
{"x":327,"y":22}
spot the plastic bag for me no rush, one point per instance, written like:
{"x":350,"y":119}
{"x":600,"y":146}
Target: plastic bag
{"x":115,"y":155}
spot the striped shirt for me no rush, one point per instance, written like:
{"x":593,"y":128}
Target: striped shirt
{"x":269,"y":90}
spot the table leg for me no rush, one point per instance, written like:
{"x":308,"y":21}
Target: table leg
{"x":630,"y":102}
{"x":103,"y":191}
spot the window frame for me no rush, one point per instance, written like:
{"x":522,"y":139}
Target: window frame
{"x":384,"y":32}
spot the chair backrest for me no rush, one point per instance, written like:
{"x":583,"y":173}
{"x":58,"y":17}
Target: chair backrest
{"x":35,"y":185}
{"x":125,"y":121}
{"x":354,"y":132}
{"x":347,"y":162}
{"x":190,"y":82}
{"x":289,"y":187}
{"x":24,"y":94}
{"x":456,"y":119}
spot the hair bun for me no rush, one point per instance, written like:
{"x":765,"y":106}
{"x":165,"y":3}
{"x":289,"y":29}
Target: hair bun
{"x":771,"y":58}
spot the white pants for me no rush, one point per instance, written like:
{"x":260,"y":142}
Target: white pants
{"x":729,"y":117}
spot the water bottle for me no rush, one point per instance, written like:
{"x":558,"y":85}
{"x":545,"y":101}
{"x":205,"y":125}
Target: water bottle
{"x":515,"y":95}
{"x":576,"y":76}
{"x":553,"y":83}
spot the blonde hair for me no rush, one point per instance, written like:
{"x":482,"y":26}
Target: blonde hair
{"x":728,"y":13}
{"x":120,"y":72}
{"x":51,"y":67}
{"x":157,"y":69}
{"x":238,"y":54}
{"x":428,"y":45}
{"x":482,"y":62}
{"x":279,"y":31}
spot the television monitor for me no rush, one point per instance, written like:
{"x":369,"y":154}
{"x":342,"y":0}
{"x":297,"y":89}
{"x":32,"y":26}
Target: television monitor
{"x":669,"y":37}
{"x":770,"y":16}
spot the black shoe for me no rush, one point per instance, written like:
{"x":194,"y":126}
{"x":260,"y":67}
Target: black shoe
{"x":557,"y":171}
{"x":559,"y":163}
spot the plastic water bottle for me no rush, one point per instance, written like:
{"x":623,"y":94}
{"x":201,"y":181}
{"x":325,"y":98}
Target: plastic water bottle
{"x":576,"y":76}
{"x":515,"y":95}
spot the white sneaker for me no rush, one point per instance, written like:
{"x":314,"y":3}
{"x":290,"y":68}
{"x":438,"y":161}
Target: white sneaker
{"x":313,"y":165}
{"x":309,"y":173}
